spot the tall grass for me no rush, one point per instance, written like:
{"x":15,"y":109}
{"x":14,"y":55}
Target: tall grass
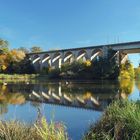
{"x":51,"y":131}
{"x":121,"y":121}
{"x":17,"y":76}
{"x":14,"y":130}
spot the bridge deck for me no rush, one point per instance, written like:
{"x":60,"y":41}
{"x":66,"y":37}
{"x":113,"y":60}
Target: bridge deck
{"x":91,"y":47}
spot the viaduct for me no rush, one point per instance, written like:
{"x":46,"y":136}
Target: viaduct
{"x":55,"y":58}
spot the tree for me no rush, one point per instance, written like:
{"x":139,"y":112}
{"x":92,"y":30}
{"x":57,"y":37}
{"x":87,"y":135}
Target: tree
{"x":14,"y":57}
{"x":127,"y":70}
{"x":106,"y":68}
{"x":137,"y":72}
{"x":4,"y":46}
{"x":35,"y":49}
{"x":25,"y":50}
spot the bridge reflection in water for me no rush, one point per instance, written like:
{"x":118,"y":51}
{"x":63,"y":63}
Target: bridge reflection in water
{"x":79,"y":95}
{"x":74,"y":103}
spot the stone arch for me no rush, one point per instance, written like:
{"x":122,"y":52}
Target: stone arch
{"x":68,"y":57}
{"x":36,"y":59}
{"x":96,"y":53}
{"x":46,"y":60}
{"x":36,"y":62}
{"x":82,"y":55}
{"x":57,"y":60}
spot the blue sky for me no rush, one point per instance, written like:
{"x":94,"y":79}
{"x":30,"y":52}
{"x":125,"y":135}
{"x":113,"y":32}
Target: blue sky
{"x":57,"y":24}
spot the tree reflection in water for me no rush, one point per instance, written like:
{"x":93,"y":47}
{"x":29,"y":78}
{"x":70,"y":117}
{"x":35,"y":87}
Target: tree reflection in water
{"x":138,"y":85}
{"x":87,"y":95}
{"x":126,"y":87}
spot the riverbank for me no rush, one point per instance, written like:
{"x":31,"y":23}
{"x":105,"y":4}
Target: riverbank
{"x":120,"y":121}
{"x":41,"y":130}
{"x":18,"y":76}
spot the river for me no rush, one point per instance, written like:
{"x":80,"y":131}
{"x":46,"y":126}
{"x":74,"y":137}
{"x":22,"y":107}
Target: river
{"x":75,"y":103}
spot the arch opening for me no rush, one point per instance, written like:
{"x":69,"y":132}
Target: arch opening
{"x":36,"y":62}
{"x":45,"y":58}
{"x":36,"y":59}
{"x":95,"y":54}
{"x":82,"y":55}
{"x":46,"y":61}
{"x":57,"y":60}
{"x":68,"y":58}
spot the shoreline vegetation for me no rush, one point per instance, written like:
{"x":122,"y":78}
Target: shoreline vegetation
{"x":66,"y":74}
{"x":18,"y":76}
{"x":120,"y":121}
{"x":15,"y":64}
{"x":41,"y":130}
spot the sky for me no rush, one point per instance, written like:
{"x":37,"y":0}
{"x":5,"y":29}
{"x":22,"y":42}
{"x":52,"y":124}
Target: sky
{"x":59,"y":24}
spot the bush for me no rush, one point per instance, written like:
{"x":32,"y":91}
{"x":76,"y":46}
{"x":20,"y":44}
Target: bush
{"x":54,"y":73}
{"x":119,"y":122}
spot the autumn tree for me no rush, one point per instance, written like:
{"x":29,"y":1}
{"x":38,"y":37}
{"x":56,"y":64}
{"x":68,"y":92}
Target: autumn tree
{"x":127,"y":70}
{"x":15,"y":60}
{"x":14,"y":57}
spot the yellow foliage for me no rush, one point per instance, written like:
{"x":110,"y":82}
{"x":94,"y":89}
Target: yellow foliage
{"x":88,"y":63}
{"x":127,"y":86}
{"x":124,"y":75}
{"x":3,"y":67}
{"x":12,"y":98}
{"x":16,"y":99}
{"x":3,"y":88}
{"x":17,"y":55}
{"x":127,"y":71}
{"x":87,"y":95}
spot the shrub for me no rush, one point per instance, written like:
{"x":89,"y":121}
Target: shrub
{"x":119,"y":122}
{"x":54,"y":73}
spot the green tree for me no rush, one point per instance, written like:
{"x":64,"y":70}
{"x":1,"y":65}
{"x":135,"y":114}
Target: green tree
{"x":4,"y":46}
{"x":25,"y":50}
{"x":106,"y":68}
{"x":35,"y":49}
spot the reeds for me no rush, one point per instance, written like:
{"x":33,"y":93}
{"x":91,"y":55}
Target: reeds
{"x":15,"y":130}
{"x":121,"y":121}
{"x":52,"y":131}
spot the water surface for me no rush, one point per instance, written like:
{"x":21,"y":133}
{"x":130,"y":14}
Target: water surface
{"x":76,"y":104}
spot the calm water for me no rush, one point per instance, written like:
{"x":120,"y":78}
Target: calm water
{"x":76,"y":104}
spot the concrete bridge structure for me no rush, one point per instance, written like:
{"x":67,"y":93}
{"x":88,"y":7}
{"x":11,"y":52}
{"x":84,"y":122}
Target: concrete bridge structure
{"x":56,"y":58}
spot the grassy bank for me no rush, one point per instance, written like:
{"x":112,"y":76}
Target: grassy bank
{"x":18,"y":76}
{"x":14,"y":130}
{"x":121,"y":121}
